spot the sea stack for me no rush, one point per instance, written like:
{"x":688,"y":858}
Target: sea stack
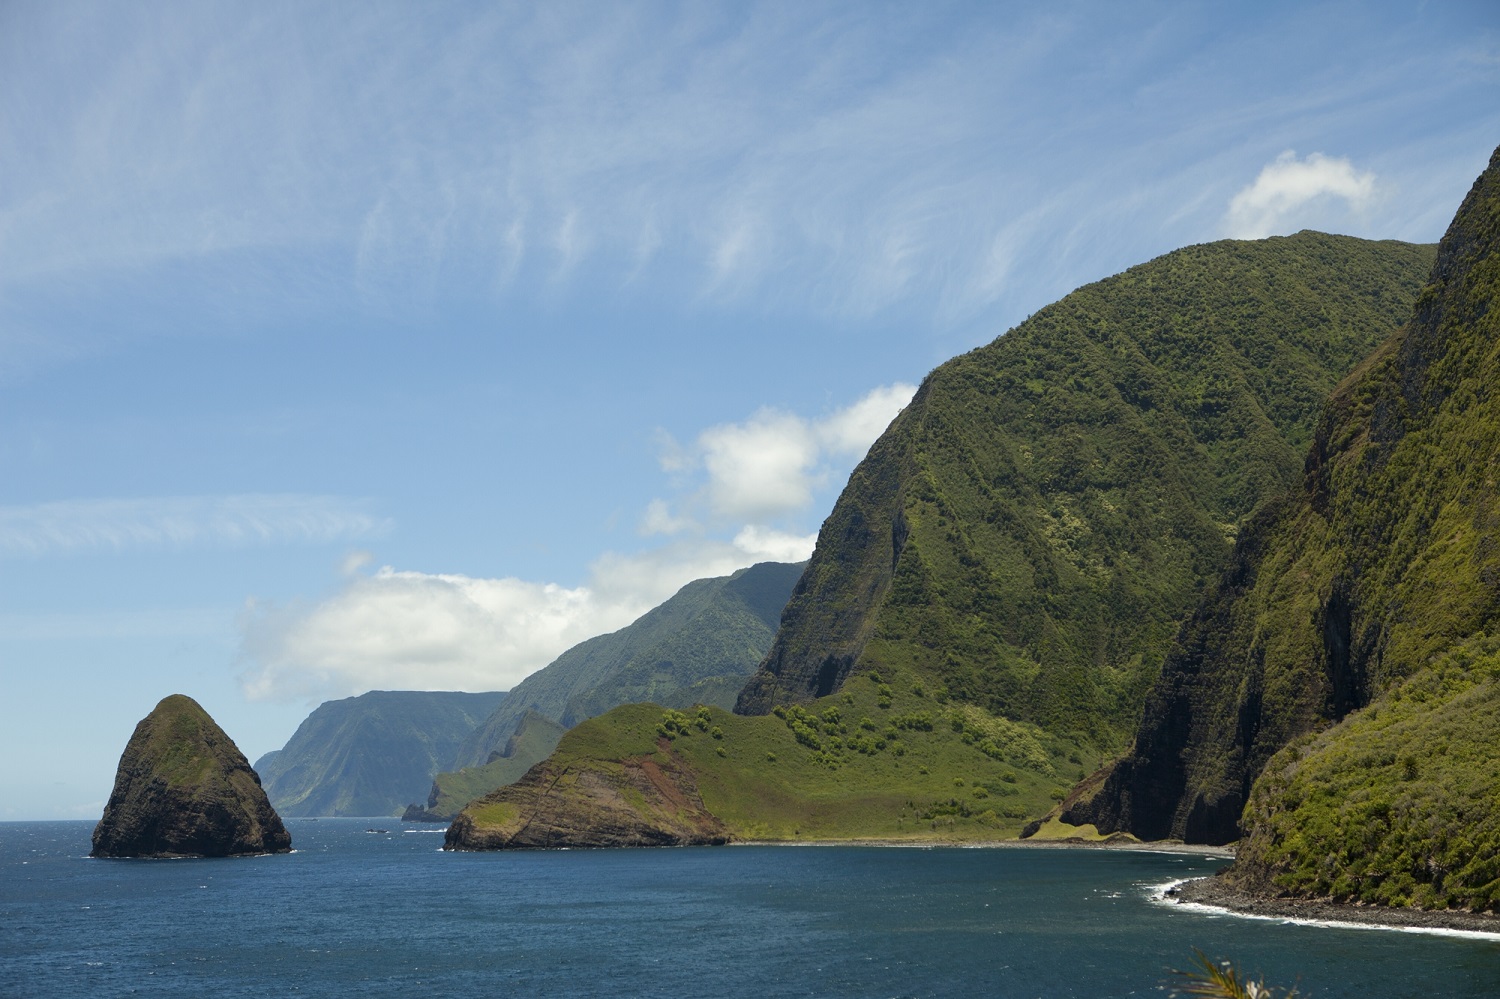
{"x":185,"y":790}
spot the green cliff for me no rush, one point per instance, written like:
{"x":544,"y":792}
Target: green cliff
{"x":1032,"y":528}
{"x":998,"y":584}
{"x":371,"y":754}
{"x":1348,"y":659}
{"x":183,"y":789}
{"x":881,"y":758}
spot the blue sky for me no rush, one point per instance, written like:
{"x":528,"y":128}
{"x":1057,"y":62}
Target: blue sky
{"x":353,"y":346}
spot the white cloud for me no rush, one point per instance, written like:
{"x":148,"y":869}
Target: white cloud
{"x":354,"y":561}
{"x":729,"y":153}
{"x":184,"y":521}
{"x":853,"y":429}
{"x":410,"y":630}
{"x":774,"y":545}
{"x":659,"y":519}
{"x":761,"y":468}
{"x":420,"y":631}
{"x":770,"y":466}
{"x":1279,"y":199}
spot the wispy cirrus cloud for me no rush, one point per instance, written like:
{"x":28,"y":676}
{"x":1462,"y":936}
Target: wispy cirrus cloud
{"x":807,"y":158}
{"x":67,"y":526}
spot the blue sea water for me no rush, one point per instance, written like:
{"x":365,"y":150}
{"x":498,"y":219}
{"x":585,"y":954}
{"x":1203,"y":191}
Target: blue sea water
{"x":358,"y":913}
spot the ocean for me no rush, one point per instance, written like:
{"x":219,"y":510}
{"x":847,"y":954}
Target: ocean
{"x":369,"y":907}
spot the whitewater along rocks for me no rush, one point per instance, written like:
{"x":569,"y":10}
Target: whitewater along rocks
{"x":184,"y":789}
{"x":638,"y":801}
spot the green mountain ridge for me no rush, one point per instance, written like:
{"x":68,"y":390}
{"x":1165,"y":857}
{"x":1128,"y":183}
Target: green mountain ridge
{"x":371,"y":754}
{"x":1337,"y":690}
{"x":1032,"y":528}
{"x":1001,"y":578}
{"x":881,"y":758}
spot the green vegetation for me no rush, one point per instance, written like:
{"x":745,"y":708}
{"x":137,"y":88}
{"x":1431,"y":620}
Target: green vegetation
{"x":999,"y":582}
{"x":1384,"y":565}
{"x":372,"y":754}
{"x":841,"y":767}
{"x":1399,"y":805}
{"x":697,"y":647}
{"x":1222,"y":980}
{"x":495,"y":813}
{"x":181,"y":743}
{"x":1029,"y":533}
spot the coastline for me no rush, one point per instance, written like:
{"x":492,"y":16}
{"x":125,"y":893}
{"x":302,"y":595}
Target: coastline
{"x":1214,"y":893}
{"x":1131,"y":845}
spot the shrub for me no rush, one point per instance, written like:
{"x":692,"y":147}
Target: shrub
{"x":673,"y":723}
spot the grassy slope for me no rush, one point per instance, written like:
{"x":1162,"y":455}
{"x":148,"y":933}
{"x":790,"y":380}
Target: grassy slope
{"x":1031,"y":530}
{"x":186,"y":746}
{"x":860,"y":763}
{"x":1386,"y":567}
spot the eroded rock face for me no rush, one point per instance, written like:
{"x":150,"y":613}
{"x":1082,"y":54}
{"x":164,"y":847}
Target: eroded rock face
{"x":641,"y":801}
{"x":183,"y":789}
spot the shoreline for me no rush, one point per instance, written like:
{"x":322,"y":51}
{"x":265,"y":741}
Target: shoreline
{"x":1212,"y":893}
{"x":1134,"y":846}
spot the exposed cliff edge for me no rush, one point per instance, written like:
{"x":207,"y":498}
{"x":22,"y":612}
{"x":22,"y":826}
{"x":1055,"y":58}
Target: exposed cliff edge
{"x":1357,"y":629}
{"x":183,"y":789}
{"x":648,"y":800}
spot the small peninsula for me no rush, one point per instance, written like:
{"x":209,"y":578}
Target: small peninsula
{"x":183,"y":789}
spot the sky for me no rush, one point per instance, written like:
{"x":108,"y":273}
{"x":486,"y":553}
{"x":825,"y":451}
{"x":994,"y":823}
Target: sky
{"x":403,"y":346}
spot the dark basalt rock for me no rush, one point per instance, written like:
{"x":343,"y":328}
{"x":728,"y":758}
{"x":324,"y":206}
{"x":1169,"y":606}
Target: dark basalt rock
{"x":416,"y":813}
{"x":183,"y":789}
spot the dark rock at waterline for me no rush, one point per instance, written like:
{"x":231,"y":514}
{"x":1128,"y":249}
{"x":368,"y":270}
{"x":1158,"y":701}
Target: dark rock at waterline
{"x":416,"y":813}
{"x":1220,"y":892}
{"x":183,"y":789}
